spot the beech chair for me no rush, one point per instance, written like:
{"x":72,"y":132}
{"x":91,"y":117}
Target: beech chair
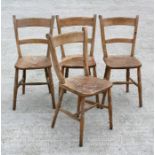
{"x":76,"y":61}
{"x":82,"y":86}
{"x":126,"y":62}
{"x":32,"y":62}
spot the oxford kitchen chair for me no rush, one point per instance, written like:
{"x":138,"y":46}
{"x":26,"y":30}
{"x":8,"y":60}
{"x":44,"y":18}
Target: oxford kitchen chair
{"x":76,"y":61}
{"x":32,"y":62}
{"x":126,"y":62}
{"x":82,"y":86}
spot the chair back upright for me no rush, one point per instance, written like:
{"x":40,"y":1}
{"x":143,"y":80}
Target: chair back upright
{"x":78,"y":21}
{"x":31,"y":22}
{"x":68,"y":38}
{"x":118,"y":21}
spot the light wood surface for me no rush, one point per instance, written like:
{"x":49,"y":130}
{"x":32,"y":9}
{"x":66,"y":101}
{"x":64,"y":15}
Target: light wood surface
{"x":72,"y":61}
{"x":82,"y":86}
{"x":32,"y":62}
{"x":78,"y":21}
{"x":127,"y":62}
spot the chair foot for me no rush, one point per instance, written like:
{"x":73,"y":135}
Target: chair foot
{"x":80,"y":145}
{"x":140,"y":106}
{"x":111,"y":127}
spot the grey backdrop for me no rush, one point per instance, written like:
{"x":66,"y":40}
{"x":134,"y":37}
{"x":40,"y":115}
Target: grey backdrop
{"x":27,"y":130}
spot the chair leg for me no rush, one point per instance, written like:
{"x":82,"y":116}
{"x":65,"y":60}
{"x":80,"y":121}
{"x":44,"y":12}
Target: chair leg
{"x":127,"y":79}
{"x":51,"y":85}
{"x":15,"y":89}
{"x":67,"y":72}
{"x":81,"y":121}
{"x":110,"y":108}
{"x":66,"y":75}
{"x":62,"y":71}
{"x":95,"y":75}
{"x":47,"y":79}
{"x":107,"y":77}
{"x":89,"y":70}
{"x":24,"y":80}
{"x":57,"y":108}
{"x":139,"y":86}
{"x":78,"y":105}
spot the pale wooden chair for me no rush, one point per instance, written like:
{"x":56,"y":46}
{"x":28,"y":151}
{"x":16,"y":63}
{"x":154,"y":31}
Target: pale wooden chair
{"x":76,"y":61}
{"x":32,"y":62}
{"x":126,"y":62}
{"x":82,"y":86}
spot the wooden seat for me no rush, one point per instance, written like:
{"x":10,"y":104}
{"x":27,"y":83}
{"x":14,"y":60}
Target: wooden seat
{"x":76,"y":61}
{"x":82,"y":86}
{"x":122,"y":62}
{"x":86,"y":86}
{"x":126,"y":62}
{"x":32,"y":62}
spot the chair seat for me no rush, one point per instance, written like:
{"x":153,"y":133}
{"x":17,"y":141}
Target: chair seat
{"x":86,"y":85}
{"x":122,"y":62}
{"x":33,"y":62}
{"x":76,"y":61}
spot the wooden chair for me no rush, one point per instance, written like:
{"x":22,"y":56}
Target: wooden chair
{"x":82,"y":86}
{"x":32,"y":62}
{"x":126,"y":62}
{"x":76,"y":61}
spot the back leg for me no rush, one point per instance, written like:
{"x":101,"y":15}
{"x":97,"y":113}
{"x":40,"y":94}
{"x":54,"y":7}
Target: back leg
{"x":95,"y":75}
{"x":24,"y":80}
{"x":139,"y":86}
{"x":15,"y":89}
{"x":107,"y":77}
{"x":81,"y":121}
{"x":127,"y":79}
{"x":66,"y":75}
{"x":110,"y":108}
{"x":47,"y":79}
{"x":51,"y":86}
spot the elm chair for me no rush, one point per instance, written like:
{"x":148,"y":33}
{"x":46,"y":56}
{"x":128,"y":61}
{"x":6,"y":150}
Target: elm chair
{"x":76,"y":61}
{"x":32,"y":62}
{"x":82,"y":86}
{"x":126,"y":62}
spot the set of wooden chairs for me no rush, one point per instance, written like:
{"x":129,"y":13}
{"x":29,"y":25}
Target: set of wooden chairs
{"x":82,"y":86}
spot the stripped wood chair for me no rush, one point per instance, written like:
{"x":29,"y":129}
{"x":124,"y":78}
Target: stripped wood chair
{"x":82,"y":86}
{"x":126,"y":62}
{"x":76,"y":61}
{"x":32,"y":62}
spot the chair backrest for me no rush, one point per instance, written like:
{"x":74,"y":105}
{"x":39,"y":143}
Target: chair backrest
{"x":31,"y":22}
{"x":117,"y":21}
{"x":78,"y":21}
{"x":68,"y":38}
